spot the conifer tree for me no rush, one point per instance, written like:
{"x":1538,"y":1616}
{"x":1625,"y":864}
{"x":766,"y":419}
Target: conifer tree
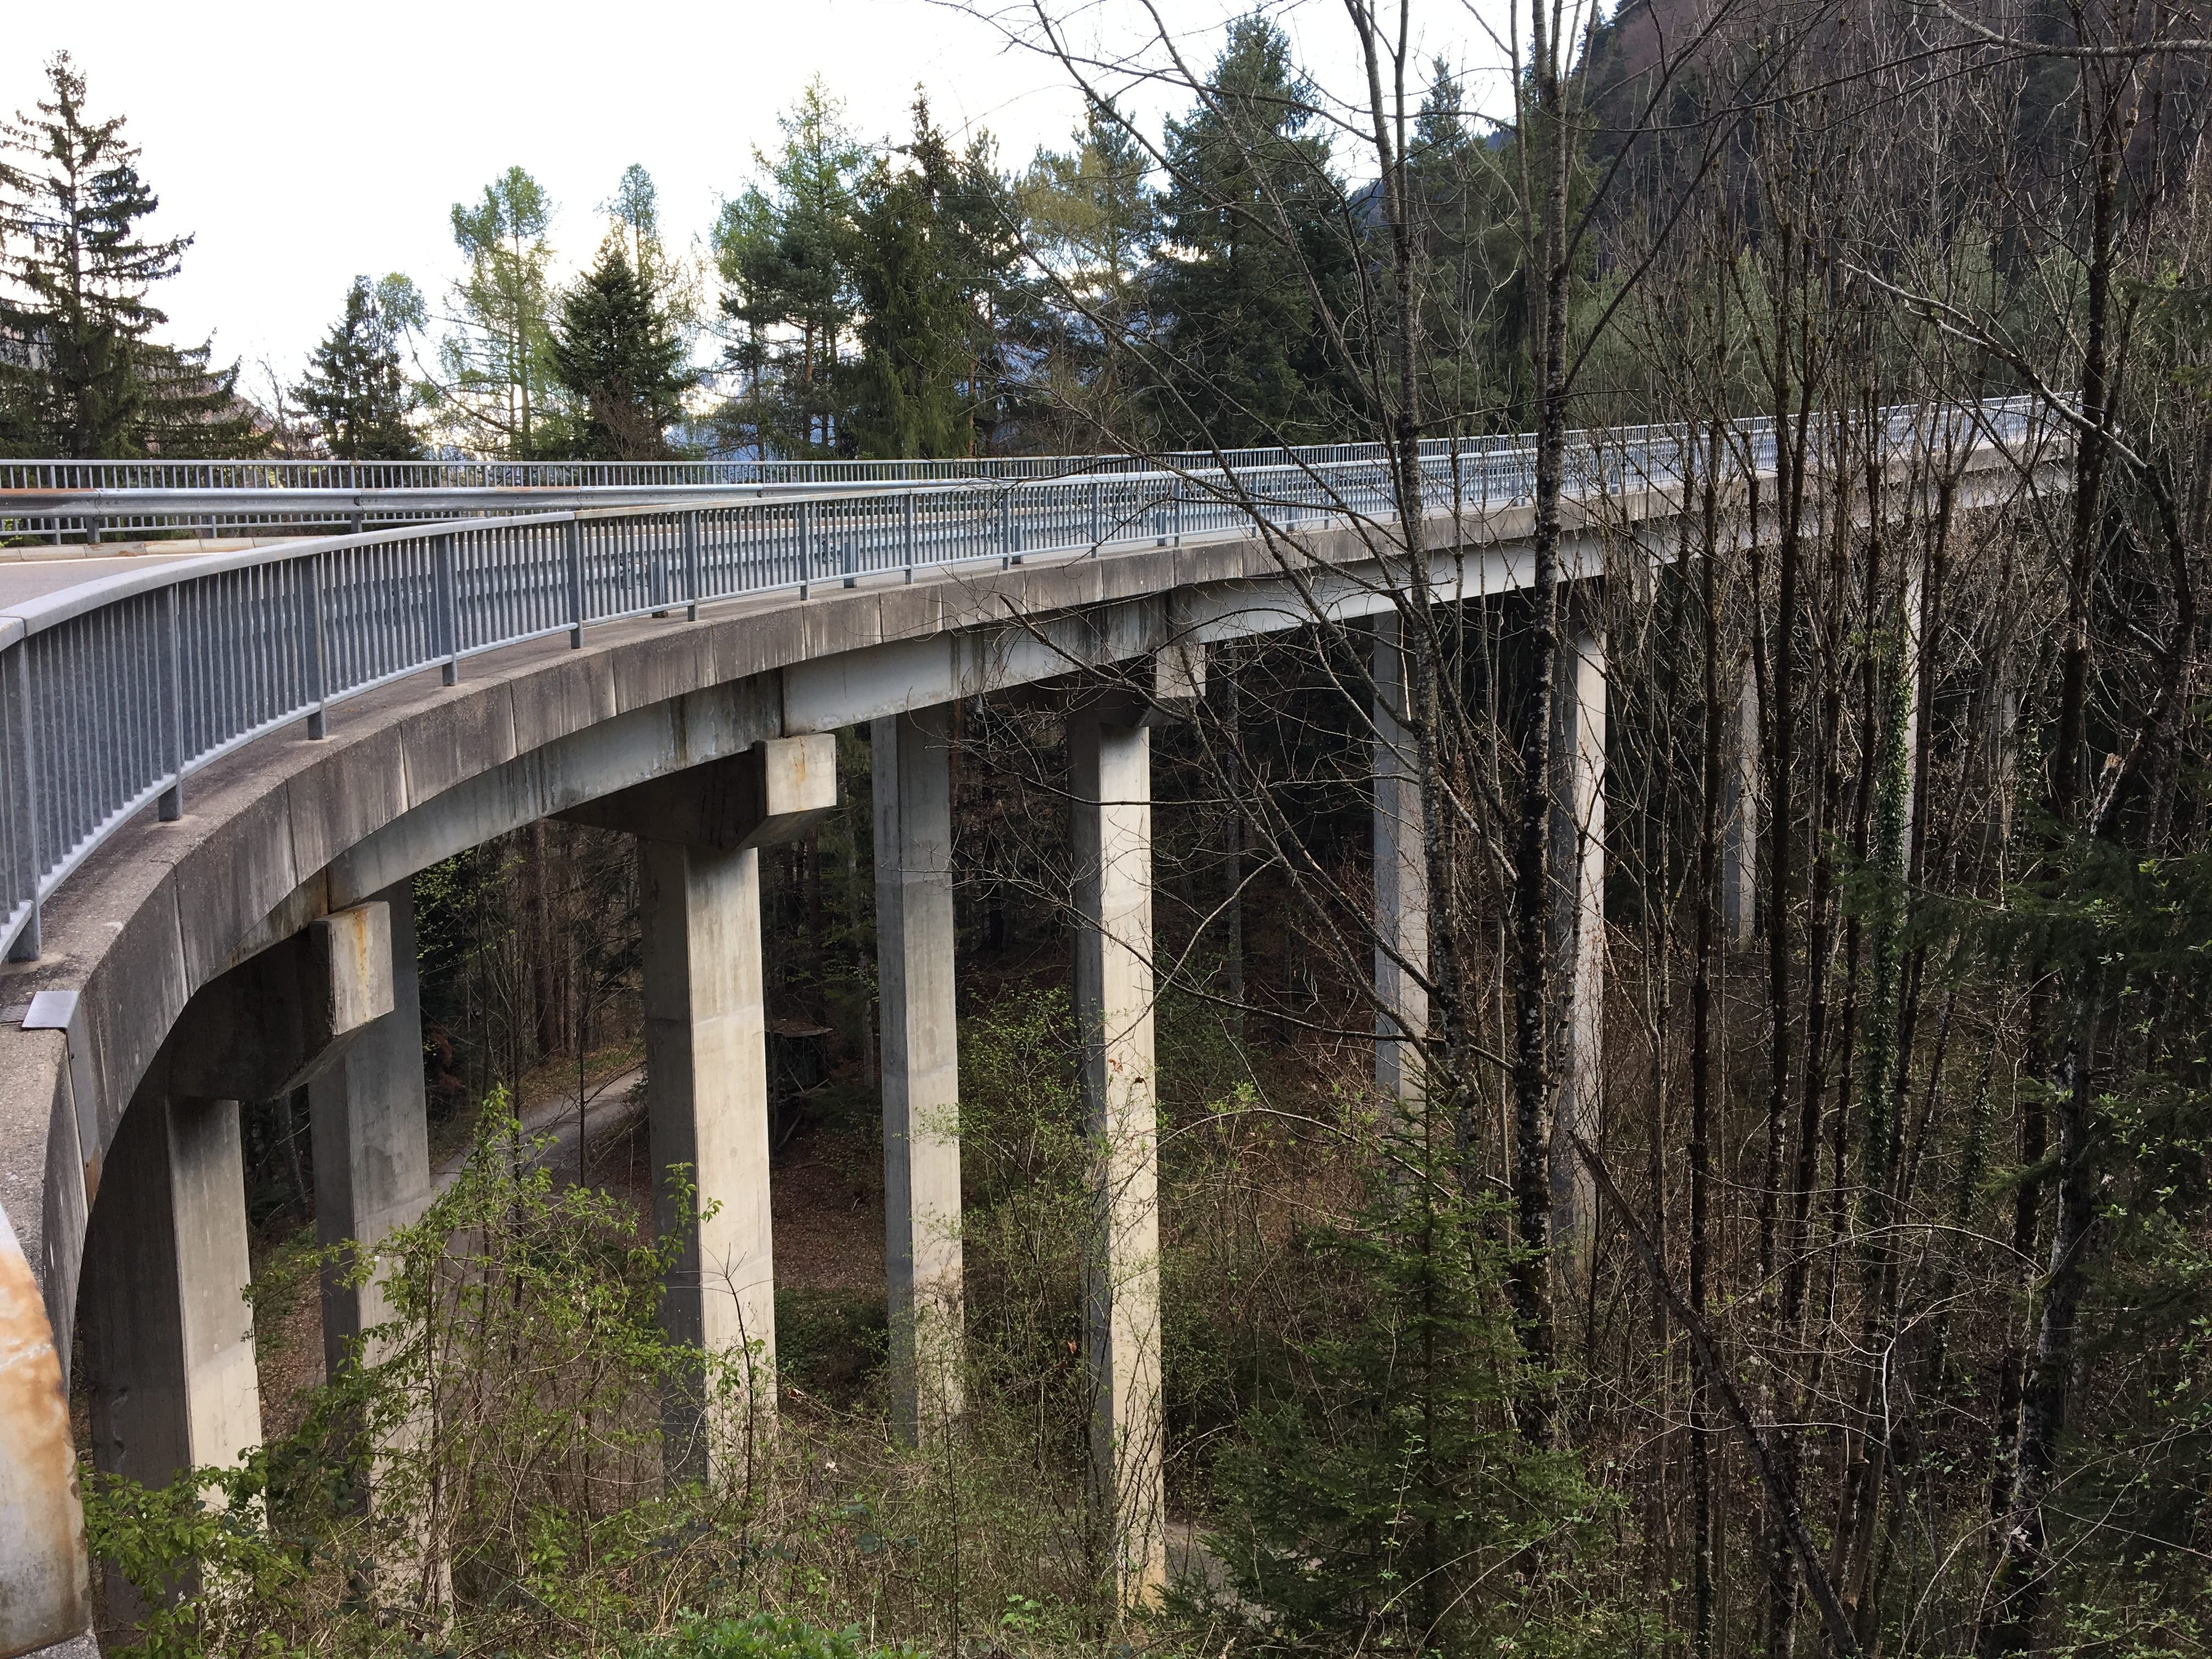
{"x":784,"y":250}
{"x":356,"y":386}
{"x":619,"y":356}
{"x":932,"y":260}
{"x":499,"y":388}
{"x":84,"y":378}
{"x":1253,"y":225}
{"x":1089,"y":217}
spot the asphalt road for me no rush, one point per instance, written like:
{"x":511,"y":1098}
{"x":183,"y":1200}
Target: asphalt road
{"x":33,"y":578}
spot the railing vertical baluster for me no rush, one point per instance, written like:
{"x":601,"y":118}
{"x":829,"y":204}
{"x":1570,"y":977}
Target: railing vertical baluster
{"x":806,"y":549}
{"x":316,"y":676}
{"x":573,"y":546}
{"x":27,"y":942}
{"x":692,"y":585}
{"x":171,"y":670}
{"x":444,"y":564}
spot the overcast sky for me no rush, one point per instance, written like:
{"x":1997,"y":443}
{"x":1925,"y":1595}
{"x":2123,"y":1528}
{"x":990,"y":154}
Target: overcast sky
{"x":301,"y":144}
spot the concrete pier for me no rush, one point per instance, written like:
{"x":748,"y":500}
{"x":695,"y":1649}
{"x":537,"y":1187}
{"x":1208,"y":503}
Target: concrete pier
{"x":1740,"y":817}
{"x":1579,"y":878}
{"x":705,"y":1055}
{"x":921,"y":1067}
{"x":1401,"y":876}
{"x":372,"y":1144}
{"x":168,"y":1335}
{"x":706,"y":1059}
{"x":1110,"y":782}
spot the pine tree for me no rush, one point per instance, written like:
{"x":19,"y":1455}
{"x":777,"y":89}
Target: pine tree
{"x":621,"y":357}
{"x":499,"y":390}
{"x":932,"y":260}
{"x":83,"y":377}
{"x":356,"y":386}
{"x":1252,"y":224}
{"x":1089,"y":219}
{"x":785,"y":251}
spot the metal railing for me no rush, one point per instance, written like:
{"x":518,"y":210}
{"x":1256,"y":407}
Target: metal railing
{"x":113,"y":694}
{"x":54,"y":502}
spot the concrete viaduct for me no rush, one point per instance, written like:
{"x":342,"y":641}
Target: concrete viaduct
{"x":210,"y":841}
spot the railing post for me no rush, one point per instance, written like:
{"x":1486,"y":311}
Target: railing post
{"x":1175,"y":514}
{"x":1005,"y":529}
{"x":851,"y":562}
{"x":691,"y":580}
{"x":906,"y":531}
{"x":26,"y":943}
{"x":449,"y":608}
{"x":572,"y":541}
{"x":806,"y":549}
{"x":1097,"y":514}
{"x":314,"y":681}
{"x":171,"y":805}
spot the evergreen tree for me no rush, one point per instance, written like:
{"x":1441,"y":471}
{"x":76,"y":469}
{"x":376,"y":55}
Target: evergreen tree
{"x":1252,"y":224}
{"x":500,"y":392}
{"x":1371,"y":1504}
{"x":83,"y":376}
{"x":1089,"y":218}
{"x":356,"y":386}
{"x":619,"y":356}
{"x":932,"y":259}
{"x":634,"y":212}
{"x":785,"y":251}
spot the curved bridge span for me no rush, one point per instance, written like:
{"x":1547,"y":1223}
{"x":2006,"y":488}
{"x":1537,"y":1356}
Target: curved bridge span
{"x":218,"y":775}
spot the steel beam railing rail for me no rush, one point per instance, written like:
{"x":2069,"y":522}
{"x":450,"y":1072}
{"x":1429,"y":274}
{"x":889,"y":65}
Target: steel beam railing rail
{"x":113,"y":693}
{"x":56,"y":501}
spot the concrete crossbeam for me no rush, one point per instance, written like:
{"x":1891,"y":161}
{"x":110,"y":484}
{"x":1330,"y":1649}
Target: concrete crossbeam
{"x":1111,"y":791}
{"x":921,"y":1067}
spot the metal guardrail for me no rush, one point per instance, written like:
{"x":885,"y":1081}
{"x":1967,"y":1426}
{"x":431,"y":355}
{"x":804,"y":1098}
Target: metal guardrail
{"x":113,"y":693}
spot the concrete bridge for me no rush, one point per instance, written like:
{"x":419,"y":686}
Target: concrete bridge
{"x":219,"y":775}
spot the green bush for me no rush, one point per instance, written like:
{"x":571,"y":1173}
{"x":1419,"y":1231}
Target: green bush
{"x":767,"y":1636}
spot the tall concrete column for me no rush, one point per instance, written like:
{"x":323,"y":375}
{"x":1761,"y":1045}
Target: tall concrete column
{"x":921,"y":1067}
{"x":705,"y":1055}
{"x":1740,"y":817}
{"x":1111,"y":787}
{"x":168,"y":1334}
{"x":372,"y":1144}
{"x":706,"y":1059}
{"x":1578,"y":864}
{"x":1401,"y":876}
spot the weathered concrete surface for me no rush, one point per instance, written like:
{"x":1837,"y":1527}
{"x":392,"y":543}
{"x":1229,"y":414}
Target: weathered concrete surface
{"x":372,"y":1144}
{"x":41,"y":1525}
{"x":912,"y":781}
{"x":772,"y":792}
{"x":1578,"y":921}
{"x":278,"y":1022}
{"x":1401,"y":874}
{"x":706,"y":1058}
{"x":168,"y":1334}
{"x":1111,"y":788}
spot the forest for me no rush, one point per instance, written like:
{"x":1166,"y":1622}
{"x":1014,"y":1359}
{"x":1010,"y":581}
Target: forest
{"x":1825,"y":1267}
